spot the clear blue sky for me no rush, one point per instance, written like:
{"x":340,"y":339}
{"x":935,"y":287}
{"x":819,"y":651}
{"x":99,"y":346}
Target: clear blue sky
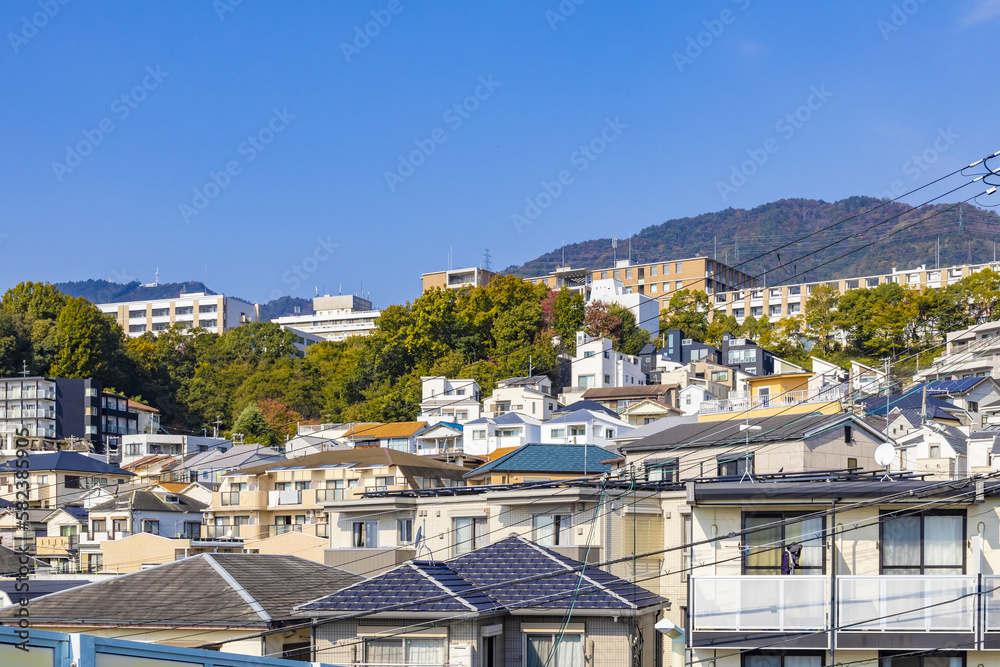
{"x":888,"y":79}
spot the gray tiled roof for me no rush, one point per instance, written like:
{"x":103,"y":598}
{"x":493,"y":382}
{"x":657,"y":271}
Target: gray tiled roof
{"x":209,"y":589}
{"x":147,"y":501}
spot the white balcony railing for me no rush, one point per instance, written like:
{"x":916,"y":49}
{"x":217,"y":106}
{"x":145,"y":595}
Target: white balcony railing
{"x":740,"y":403}
{"x":772,"y":603}
{"x":287,"y":497}
{"x":928,"y":603}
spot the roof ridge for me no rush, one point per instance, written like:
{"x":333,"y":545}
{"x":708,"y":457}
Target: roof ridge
{"x":236,"y":586}
{"x":456,"y":595}
{"x":583,"y":575}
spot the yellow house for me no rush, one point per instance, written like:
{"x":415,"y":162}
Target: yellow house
{"x":780,"y":394}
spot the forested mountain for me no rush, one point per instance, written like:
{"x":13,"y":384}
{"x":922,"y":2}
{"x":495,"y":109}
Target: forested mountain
{"x":738,"y":236}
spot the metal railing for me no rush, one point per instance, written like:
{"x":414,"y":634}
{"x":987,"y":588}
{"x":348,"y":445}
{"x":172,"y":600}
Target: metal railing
{"x":897,"y":603}
{"x":741,"y":403}
{"x":750,"y":603}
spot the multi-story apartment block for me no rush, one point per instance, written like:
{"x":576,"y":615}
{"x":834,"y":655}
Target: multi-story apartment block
{"x":892,"y":573}
{"x":584,"y":427}
{"x":334,"y":318}
{"x":442,"y":399}
{"x":458,"y":279}
{"x":971,"y":352}
{"x":790,"y":300}
{"x":141,"y":445}
{"x":575,"y":280}
{"x":215,"y":313}
{"x":61,"y":408}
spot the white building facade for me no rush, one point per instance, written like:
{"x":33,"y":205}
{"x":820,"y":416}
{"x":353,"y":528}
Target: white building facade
{"x":215,"y":313}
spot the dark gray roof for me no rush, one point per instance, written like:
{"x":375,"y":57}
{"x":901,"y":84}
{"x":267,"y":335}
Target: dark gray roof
{"x":38,"y":587}
{"x":67,"y":461}
{"x":957,"y":439}
{"x":550,"y":458}
{"x":208,"y":589}
{"x":505,"y":576}
{"x":585,"y":405}
{"x":11,"y":562}
{"x":147,"y":501}
{"x":716,"y":434}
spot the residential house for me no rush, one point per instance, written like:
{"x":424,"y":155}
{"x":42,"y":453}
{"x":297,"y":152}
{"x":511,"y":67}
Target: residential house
{"x":544,"y":462}
{"x":60,"y":478}
{"x":443,"y":399}
{"x":150,"y":468}
{"x":142,"y":445}
{"x":398,"y":436}
{"x":138,"y":551}
{"x":756,"y":445}
{"x":584,"y":427}
{"x":647,"y":411}
{"x":22,"y":528}
{"x":853,"y":572}
{"x":225,"y":600}
{"x":939,"y":451}
{"x":167,"y":514}
{"x":212,"y":466}
{"x":12,"y":562}
{"x":692,"y":397}
{"x":60,"y":546}
{"x":619,"y":398}
{"x":955,"y":401}
{"x":506,"y":603}
{"x":443,"y":439}
{"x":581,"y":404}
{"x":485,"y":435}
{"x":292,"y":496}
{"x":969,"y":353}
{"x":597,"y":365}
{"x":316,"y":438}
{"x":778,"y":394}
{"x":532,"y":396}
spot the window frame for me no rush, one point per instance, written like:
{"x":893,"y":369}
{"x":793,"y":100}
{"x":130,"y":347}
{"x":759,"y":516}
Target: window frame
{"x":745,"y":658}
{"x":884,"y":515}
{"x":784,"y":518}
{"x":555,"y":637}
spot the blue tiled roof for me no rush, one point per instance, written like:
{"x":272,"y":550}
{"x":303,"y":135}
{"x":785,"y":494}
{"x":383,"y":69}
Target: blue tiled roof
{"x":550,"y":458}
{"x":954,"y":386}
{"x":481,"y":420}
{"x":553,"y":579}
{"x":419,"y":585}
{"x":72,"y":461}
{"x":575,"y":417}
{"x":509,"y":418}
{"x":480,"y":581}
{"x":587,"y":405}
{"x":78,"y":512}
{"x":912,"y":399}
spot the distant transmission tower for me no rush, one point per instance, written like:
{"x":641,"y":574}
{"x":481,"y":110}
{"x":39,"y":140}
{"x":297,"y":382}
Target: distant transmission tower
{"x":487,"y":263}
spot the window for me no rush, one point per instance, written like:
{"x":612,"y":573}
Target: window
{"x":558,"y":433}
{"x":774,"y":310}
{"x":772,"y":550}
{"x":745,"y":356}
{"x":679,"y":285}
{"x":974,"y":405}
{"x":909,"y":660}
{"x":151,"y":526}
{"x":384,"y":483}
{"x":578,"y":430}
{"x":539,"y":649}
{"x":470,"y":534}
{"x":852,"y":463}
{"x":479,"y":434}
{"x":628,"y":274}
{"x":686,"y":532}
{"x":652,"y":270}
{"x":607,"y":379}
{"x":720,"y":376}
{"x":652,"y":288}
{"x":739,"y":313}
{"x":757,"y":311}
{"x":98,"y":526}
{"x":119,"y":526}
{"x":607,"y":355}
{"x":404,"y":531}
{"x":930,"y":543}
{"x":183,"y":310}
{"x":364,"y":534}
{"x":662,"y":470}
{"x":935,"y":451}
{"x":585,"y":381}
{"x":207,"y":324}
{"x":137,"y":328}
{"x":609,"y":433}
{"x":794,"y":308}
{"x":587,"y":354}
{"x":552,"y":530}
{"x":735,"y":465}
{"x":678,"y":267}
{"x":399,"y":444}
{"x":405,"y":651}
{"x":208,"y":309}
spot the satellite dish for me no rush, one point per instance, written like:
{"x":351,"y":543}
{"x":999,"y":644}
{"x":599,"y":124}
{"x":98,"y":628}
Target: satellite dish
{"x":884,"y":454}
{"x":420,"y":535}
{"x":229,"y":533}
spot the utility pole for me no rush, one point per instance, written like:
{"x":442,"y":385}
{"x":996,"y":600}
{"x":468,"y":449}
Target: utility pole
{"x":217,"y":423}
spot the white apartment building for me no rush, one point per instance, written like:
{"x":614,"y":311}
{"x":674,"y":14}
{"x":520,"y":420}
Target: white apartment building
{"x":645,"y":309}
{"x":335,"y":318}
{"x":527,"y":395}
{"x":215,"y":313}
{"x":445,"y":400}
{"x":596,"y":365}
{"x":972,"y":352}
{"x":141,"y":445}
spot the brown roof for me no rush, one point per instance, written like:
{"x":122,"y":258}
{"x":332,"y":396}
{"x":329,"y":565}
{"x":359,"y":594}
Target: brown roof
{"x":142,"y":407}
{"x":393,"y":430}
{"x":651,"y":400}
{"x":148,"y":461}
{"x":638,"y":391}
{"x":362,"y":457}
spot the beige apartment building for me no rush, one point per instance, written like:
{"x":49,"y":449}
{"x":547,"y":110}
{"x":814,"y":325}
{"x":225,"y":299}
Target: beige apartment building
{"x":215,"y":313}
{"x":657,"y":280}
{"x":789,"y":300}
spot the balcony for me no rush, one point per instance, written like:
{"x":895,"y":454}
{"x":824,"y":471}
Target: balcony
{"x":288,"y":497}
{"x":746,"y":611}
{"x":873,"y":612}
{"x":245,"y":500}
{"x":930,"y":611}
{"x":741,"y":403}
{"x":59,"y":545}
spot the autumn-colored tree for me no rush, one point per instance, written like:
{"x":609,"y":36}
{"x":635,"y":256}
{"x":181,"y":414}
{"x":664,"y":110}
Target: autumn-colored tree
{"x":280,"y":419}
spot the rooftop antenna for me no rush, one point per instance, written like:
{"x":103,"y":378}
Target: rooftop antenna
{"x":630,"y":248}
{"x":884,"y":454}
{"x":746,"y":428}
{"x":317,"y":289}
{"x":564,"y":252}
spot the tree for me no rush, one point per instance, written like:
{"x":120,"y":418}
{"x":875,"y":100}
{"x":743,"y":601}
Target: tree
{"x":819,"y":316}
{"x":90,"y":345}
{"x":253,"y":425}
{"x":36,"y":301}
{"x":687,"y":310}
{"x":564,"y":312}
{"x":280,"y":419}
